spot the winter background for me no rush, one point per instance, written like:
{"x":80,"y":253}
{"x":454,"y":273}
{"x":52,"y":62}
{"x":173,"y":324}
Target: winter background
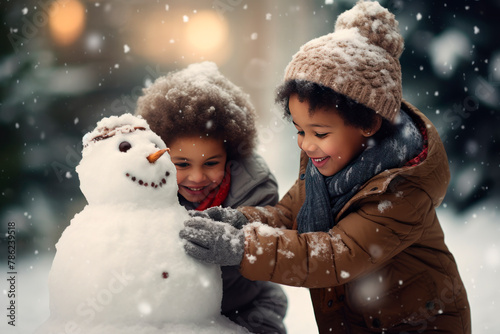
{"x":65,"y":64}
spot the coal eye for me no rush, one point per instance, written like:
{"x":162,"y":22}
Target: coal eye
{"x":124,"y":146}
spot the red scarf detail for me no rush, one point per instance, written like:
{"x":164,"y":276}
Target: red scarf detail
{"x":218,"y":195}
{"x":423,"y":154}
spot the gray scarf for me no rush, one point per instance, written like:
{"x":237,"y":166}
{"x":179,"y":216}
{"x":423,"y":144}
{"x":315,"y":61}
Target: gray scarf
{"x":325,"y":196}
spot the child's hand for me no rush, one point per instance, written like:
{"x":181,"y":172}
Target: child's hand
{"x":230,"y":216}
{"x":213,"y":242}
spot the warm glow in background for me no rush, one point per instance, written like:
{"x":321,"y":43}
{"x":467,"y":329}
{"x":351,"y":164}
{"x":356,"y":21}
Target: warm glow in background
{"x":66,"y":21}
{"x":66,"y":64}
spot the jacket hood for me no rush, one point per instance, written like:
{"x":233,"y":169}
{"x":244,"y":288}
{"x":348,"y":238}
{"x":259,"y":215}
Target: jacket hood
{"x":433,"y":174}
{"x":251,"y":182}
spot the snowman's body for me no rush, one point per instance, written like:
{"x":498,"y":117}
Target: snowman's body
{"x":120,"y":266}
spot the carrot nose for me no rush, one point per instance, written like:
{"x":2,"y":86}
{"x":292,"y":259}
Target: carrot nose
{"x":155,"y":156}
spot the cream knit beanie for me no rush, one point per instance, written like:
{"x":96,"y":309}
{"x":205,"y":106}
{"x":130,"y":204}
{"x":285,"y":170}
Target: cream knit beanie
{"x":360,"y":59}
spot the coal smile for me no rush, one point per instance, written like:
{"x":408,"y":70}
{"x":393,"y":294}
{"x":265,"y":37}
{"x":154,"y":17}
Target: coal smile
{"x":154,"y":185}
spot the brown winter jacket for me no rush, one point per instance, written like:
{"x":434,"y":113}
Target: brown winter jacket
{"x":383,"y":267}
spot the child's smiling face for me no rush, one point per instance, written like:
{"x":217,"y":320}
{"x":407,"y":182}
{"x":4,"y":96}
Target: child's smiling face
{"x":324,"y":136}
{"x":200,"y":164}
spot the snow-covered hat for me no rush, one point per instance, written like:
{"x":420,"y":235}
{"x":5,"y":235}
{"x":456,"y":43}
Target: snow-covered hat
{"x":360,"y":59}
{"x":110,"y":126}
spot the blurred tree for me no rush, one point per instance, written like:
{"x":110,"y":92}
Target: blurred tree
{"x":451,"y":71}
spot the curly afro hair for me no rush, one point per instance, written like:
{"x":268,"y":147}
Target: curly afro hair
{"x":200,"y":101}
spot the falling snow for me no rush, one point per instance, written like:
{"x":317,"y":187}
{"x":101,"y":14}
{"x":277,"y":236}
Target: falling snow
{"x":449,"y":52}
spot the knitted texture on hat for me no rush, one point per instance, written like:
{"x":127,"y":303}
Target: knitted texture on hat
{"x":360,"y":59}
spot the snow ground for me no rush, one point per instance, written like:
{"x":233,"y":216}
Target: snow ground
{"x":473,"y":238}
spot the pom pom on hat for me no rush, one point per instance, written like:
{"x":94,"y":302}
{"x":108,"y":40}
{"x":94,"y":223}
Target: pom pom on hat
{"x":375,"y":23}
{"x":360,"y":59}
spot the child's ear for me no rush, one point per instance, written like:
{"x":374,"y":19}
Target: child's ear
{"x":377,"y":123}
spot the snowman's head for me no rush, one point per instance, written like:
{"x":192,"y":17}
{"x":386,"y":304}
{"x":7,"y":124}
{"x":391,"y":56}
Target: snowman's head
{"x":125,"y":162}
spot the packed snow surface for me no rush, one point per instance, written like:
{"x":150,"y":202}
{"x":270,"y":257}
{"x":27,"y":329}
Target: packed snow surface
{"x":120,"y":265}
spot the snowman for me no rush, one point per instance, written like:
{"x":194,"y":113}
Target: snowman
{"x":120,"y":265}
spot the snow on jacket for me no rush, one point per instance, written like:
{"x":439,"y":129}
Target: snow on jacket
{"x":384,"y":266}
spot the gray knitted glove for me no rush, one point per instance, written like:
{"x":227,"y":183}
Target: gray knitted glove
{"x":230,"y":216}
{"x":213,"y":242}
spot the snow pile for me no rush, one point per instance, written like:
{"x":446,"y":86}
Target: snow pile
{"x":120,"y":266}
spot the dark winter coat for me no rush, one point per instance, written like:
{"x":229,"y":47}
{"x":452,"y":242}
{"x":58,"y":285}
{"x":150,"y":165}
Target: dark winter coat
{"x":384,"y":267}
{"x":258,"y":306}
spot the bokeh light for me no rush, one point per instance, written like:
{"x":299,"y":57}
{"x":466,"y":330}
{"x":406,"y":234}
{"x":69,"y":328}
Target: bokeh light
{"x":172,"y":36}
{"x":67,"y":21}
{"x":206,"y":32}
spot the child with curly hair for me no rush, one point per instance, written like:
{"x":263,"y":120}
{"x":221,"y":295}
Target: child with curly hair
{"x":209,"y":125}
{"x":359,"y":226}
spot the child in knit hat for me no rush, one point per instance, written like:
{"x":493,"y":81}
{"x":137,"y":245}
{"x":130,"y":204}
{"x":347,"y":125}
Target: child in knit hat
{"x":359,"y":226}
{"x":208,"y":124}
